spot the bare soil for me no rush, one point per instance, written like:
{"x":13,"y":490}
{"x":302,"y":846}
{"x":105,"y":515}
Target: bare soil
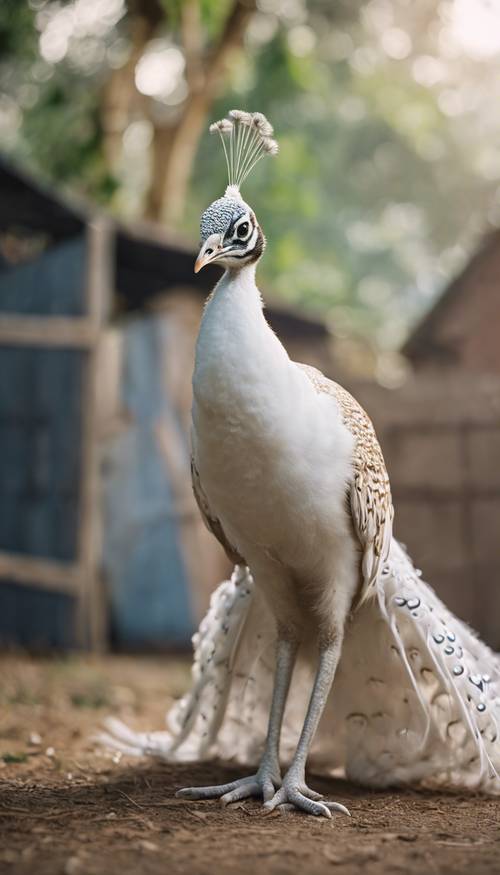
{"x":68,"y":807}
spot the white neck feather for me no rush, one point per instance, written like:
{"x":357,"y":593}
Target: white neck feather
{"x":236,"y":352}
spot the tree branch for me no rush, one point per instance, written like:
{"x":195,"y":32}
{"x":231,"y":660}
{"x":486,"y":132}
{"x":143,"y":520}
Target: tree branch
{"x":150,"y":10}
{"x":119,"y":95}
{"x":174,"y":147}
{"x":230,"y":39}
{"x":192,"y":42}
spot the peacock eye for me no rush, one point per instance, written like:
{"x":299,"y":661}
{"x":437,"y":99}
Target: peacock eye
{"x":242,"y":230}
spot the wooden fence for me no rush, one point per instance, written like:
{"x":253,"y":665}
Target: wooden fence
{"x":51,"y":314}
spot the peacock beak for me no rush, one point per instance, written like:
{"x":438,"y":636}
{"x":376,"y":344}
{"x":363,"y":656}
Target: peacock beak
{"x":210,"y":250}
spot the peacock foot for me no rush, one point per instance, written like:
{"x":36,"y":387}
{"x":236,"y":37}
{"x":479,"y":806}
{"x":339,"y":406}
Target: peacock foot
{"x":262,"y":785}
{"x":294,"y":794}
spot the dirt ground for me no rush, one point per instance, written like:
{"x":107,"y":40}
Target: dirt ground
{"x":68,"y":807}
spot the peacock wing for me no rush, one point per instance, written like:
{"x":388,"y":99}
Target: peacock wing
{"x":212,"y":523}
{"x":370,"y":492}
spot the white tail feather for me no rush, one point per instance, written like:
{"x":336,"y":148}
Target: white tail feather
{"x":415,"y":699}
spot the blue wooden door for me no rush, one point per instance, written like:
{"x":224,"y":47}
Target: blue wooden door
{"x":144,"y":568}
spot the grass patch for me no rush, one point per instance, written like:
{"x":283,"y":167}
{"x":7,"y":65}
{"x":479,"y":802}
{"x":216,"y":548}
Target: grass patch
{"x":15,"y":757}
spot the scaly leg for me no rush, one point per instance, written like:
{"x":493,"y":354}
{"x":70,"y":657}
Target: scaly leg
{"x":268,"y":777}
{"x":294,"y":791}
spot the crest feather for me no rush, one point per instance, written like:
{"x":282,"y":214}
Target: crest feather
{"x":246,"y":137}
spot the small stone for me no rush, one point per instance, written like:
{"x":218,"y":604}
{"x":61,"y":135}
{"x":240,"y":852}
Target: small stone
{"x":35,"y":739}
{"x":51,"y":752}
{"x":73,"y":866}
{"x":123,"y":696}
{"x":146,"y":845}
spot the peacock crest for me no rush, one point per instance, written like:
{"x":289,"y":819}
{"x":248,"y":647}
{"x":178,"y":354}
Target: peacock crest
{"x":246,"y":137}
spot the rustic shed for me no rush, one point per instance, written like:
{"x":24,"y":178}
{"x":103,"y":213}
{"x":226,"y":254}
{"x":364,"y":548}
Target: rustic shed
{"x":98,"y":528}
{"x":461,"y":330}
{"x":440,"y":434}
{"x":53,"y":301}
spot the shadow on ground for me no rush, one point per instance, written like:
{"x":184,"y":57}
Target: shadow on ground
{"x":68,"y":807}
{"x":132,"y":823}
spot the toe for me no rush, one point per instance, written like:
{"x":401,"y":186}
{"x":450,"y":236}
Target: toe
{"x":268,"y":791}
{"x":311,"y":794}
{"x":193,"y":793}
{"x":293,"y":798}
{"x":278,"y":799}
{"x":317,"y":809}
{"x":241,"y":792}
{"x":337,"y":806}
{"x":205,"y":792}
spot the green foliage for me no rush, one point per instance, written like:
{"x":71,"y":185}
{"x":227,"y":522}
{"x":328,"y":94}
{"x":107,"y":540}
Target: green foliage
{"x":62,"y":137}
{"x":17,"y":33}
{"x":213,"y":16}
{"x":10,"y":758}
{"x":172,"y":11}
{"x":375,"y":198}
{"x":92,"y":698}
{"x":386,"y":173}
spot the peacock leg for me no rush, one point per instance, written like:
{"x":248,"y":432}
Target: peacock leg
{"x":267,"y":779}
{"x":294,"y":791}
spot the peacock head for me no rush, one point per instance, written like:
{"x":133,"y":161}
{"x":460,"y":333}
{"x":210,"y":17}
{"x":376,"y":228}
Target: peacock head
{"x":230,"y":233}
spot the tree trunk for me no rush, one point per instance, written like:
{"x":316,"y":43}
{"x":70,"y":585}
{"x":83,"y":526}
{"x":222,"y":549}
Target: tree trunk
{"x":120,"y":99}
{"x":174,"y":147}
{"x":174,"y":150}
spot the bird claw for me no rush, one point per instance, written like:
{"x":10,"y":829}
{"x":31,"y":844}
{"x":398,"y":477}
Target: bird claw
{"x":266,"y":784}
{"x":262,"y":785}
{"x":296,"y":796}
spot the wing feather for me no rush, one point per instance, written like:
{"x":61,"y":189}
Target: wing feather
{"x":212,"y":523}
{"x":370,"y":492}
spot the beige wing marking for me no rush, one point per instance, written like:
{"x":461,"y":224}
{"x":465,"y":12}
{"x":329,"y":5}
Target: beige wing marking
{"x":370,"y":492}
{"x":212,"y":523}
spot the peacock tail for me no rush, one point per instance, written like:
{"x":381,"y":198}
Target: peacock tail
{"x":415,"y":701}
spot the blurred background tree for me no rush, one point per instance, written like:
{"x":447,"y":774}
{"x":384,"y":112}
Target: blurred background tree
{"x":386,"y":114}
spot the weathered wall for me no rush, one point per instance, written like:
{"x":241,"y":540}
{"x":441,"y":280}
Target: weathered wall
{"x":42,"y":421}
{"x":462,"y":328}
{"x":441,"y":441}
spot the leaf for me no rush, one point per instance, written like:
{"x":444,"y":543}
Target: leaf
{"x":15,"y":757}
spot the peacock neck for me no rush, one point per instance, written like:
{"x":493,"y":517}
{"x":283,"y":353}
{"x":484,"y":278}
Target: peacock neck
{"x":236,"y":352}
